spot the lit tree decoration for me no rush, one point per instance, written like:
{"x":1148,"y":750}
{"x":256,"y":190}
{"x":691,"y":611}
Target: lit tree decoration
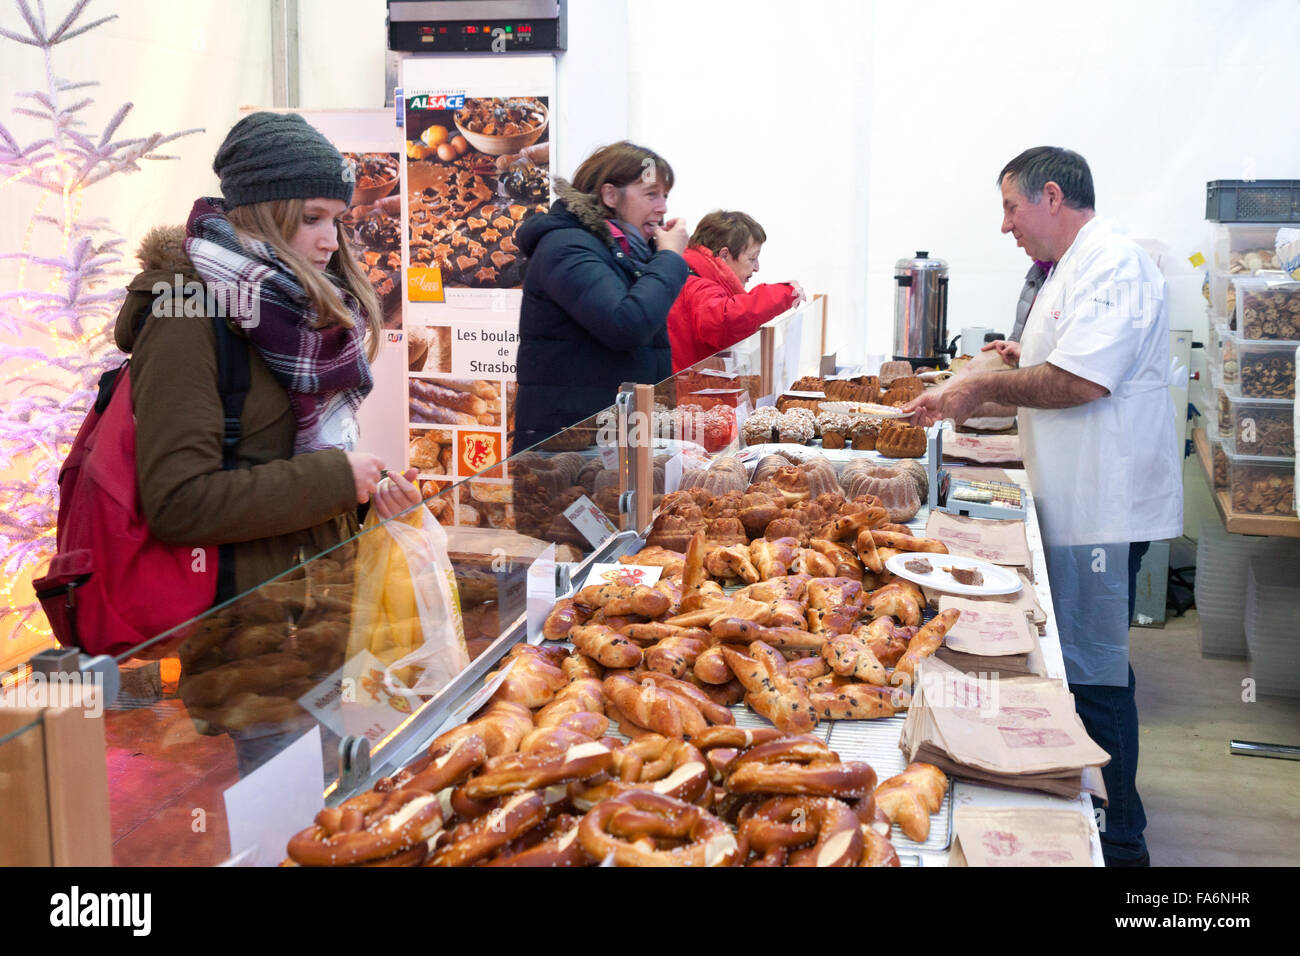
{"x":63,"y":304}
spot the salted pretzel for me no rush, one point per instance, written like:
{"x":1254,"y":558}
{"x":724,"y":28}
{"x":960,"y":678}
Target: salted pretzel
{"x":559,"y":848}
{"x":477,"y":839}
{"x":897,"y":600}
{"x":566,"y":615}
{"x":849,"y":655}
{"x":516,"y":772}
{"x":569,"y":731}
{"x":655,"y":763}
{"x":776,"y":830}
{"x":624,"y":599}
{"x":501,"y":725}
{"x":634,"y":826}
{"x":925,"y":643}
{"x":798,"y":766}
{"x":605,"y":645}
{"x":584,"y":695}
{"x":675,"y":656}
{"x":369,"y":826}
{"x":877,"y":850}
{"x":906,"y":542}
{"x":772,"y":692}
{"x":909,"y":798}
{"x":438,"y":769}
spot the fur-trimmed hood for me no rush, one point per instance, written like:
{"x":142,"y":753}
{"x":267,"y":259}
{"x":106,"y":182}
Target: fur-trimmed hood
{"x":571,"y":208}
{"x":162,"y":257}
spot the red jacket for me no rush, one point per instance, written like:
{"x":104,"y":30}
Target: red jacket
{"x":714,"y":312}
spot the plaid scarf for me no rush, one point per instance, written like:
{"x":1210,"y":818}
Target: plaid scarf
{"x":325,"y":371}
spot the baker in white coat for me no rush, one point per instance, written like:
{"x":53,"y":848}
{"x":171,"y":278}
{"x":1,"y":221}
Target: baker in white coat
{"x":1099,"y":444}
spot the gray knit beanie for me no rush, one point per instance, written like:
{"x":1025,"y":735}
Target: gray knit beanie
{"x":280,"y":156}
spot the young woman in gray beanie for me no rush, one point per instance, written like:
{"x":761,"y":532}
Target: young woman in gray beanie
{"x":271,"y":257}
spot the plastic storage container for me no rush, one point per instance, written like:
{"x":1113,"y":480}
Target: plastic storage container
{"x":1258,"y":485}
{"x":1219,"y":464}
{"x":1255,"y":200}
{"x":1260,"y":426}
{"x":1273,"y":626}
{"x":1223,"y":297}
{"x":1266,"y":368}
{"x":1268,"y":307}
{"x":1243,"y":247}
{"x":1220,"y":352}
{"x":1222,"y":561}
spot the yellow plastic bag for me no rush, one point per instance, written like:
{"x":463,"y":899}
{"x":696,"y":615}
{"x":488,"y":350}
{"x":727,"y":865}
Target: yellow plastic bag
{"x":407,"y":609}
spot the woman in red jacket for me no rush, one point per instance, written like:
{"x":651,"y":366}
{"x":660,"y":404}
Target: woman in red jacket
{"x":713,"y":311}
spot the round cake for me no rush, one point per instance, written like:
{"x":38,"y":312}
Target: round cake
{"x":893,"y":485}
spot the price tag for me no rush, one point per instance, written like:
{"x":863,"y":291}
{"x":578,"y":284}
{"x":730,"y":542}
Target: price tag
{"x":590,"y":521}
{"x":609,"y":456}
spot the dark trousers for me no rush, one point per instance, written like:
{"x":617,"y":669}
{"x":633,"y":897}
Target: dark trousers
{"x":1109,"y":714}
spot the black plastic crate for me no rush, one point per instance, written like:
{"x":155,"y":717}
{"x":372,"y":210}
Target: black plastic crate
{"x":1258,"y":200}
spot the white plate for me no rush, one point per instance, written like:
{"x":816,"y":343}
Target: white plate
{"x":869,"y":409}
{"x":997,"y":580}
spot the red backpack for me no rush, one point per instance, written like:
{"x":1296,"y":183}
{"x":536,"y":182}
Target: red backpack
{"x":112,"y":585}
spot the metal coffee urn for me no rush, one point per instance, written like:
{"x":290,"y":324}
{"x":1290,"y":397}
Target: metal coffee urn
{"x":921,"y":311}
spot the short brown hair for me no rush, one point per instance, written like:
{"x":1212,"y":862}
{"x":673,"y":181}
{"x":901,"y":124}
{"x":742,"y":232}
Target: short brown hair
{"x":723,"y":229}
{"x":620,"y":164}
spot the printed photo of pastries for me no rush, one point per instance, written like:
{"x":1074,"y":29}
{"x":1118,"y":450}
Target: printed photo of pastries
{"x":374,"y":228}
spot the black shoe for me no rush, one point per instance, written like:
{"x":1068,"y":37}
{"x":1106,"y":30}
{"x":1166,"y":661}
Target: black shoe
{"x":1143,"y":860}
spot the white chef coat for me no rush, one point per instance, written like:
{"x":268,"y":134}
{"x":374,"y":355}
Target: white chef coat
{"x":1110,"y":470}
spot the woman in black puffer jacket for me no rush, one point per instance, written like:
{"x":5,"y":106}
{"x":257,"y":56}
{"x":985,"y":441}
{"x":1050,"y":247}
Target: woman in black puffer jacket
{"x":603,"y":270}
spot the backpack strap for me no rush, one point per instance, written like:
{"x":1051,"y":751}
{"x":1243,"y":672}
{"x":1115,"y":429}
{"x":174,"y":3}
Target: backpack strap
{"x":232,"y":382}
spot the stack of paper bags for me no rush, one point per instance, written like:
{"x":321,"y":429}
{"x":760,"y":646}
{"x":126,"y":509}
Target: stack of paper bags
{"x":1019,"y":732}
{"x":1022,"y":836}
{"x":990,"y":637}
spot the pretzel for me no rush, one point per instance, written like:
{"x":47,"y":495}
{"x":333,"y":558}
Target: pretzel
{"x":480,"y":838}
{"x":625,"y":599}
{"x":652,"y":707}
{"x":369,"y":826}
{"x":560,"y":848}
{"x":849,"y":655}
{"x":909,"y":798}
{"x":739,"y":738}
{"x":906,"y":542}
{"x":585,"y":695}
{"x":515,"y":772}
{"x":844,"y":699}
{"x":898,"y":601}
{"x":566,"y":615}
{"x":675,"y":656}
{"x":799,"y":766}
{"x":925,"y":643}
{"x":441,"y":768}
{"x":608,"y":647}
{"x":776,"y":827}
{"x":655,"y":763}
{"x":711,"y":667}
{"x":877,"y":850}
{"x":771,"y":691}
{"x":629,"y":825}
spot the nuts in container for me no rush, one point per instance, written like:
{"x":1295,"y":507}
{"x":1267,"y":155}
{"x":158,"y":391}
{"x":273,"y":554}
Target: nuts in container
{"x":1263,"y":490}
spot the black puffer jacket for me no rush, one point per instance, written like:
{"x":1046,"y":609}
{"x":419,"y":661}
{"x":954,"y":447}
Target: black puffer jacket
{"x":592,"y":317}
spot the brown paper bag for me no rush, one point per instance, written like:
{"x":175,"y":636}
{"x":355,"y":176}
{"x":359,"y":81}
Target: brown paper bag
{"x":999,"y":542}
{"x":1021,"y":837}
{"x":987,"y":628}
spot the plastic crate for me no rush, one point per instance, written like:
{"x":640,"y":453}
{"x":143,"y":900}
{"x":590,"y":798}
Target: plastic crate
{"x":1268,"y":306}
{"x":1258,"y":200}
{"x":1220,"y":352}
{"x":1265,"y":368}
{"x":1243,"y":248}
{"x":1260,"y":426}
{"x":1272,"y":626}
{"x":1260,"y":485}
{"x":1223,"y":296}
{"x":1222,"y":561}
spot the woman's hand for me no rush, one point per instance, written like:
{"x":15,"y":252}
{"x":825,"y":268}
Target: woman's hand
{"x":671,"y":236}
{"x":366,"y":470}
{"x":395,"y":494}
